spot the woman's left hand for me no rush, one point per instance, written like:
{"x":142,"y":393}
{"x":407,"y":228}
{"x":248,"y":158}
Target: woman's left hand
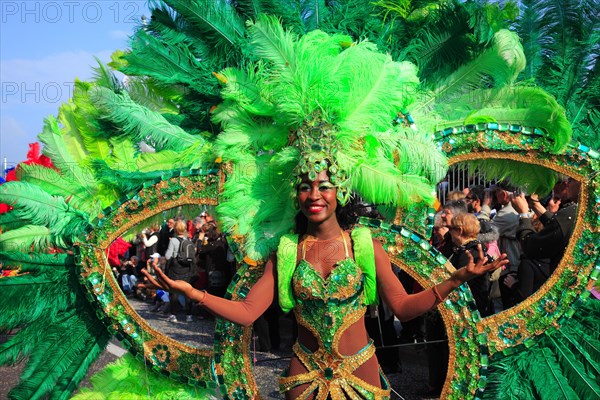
{"x":473,"y":270}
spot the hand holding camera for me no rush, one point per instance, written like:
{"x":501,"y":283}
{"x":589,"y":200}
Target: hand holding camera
{"x":519,"y":202}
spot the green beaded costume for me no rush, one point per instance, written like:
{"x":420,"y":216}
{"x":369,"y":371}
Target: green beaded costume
{"x":326,"y":308}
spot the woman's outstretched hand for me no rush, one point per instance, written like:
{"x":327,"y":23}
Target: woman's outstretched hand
{"x":473,"y":270}
{"x":163,"y":282}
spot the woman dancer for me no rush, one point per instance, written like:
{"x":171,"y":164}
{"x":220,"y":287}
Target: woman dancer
{"x":326,"y":276}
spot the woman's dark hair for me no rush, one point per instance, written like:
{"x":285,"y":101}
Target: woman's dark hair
{"x":212,"y":233}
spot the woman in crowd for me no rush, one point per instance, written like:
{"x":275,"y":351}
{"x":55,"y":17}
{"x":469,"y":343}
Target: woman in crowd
{"x":464,"y":229}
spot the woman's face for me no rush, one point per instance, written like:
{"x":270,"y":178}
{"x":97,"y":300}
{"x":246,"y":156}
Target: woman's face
{"x":317,"y":199}
{"x":446,"y":217}
{"x":455,"y":234}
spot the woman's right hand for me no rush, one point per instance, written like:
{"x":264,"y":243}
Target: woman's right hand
{"x":163,"y":282}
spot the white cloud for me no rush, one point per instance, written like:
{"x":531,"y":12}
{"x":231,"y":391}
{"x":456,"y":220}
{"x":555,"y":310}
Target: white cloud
{"x":45,"y":80}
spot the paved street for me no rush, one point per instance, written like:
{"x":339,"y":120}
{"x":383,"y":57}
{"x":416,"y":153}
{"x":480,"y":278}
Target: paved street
{"x":408,"y":384}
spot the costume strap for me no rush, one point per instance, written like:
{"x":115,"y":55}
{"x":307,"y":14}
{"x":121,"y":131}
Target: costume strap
{"x":364,"y":254}
{"x":287,"y":254}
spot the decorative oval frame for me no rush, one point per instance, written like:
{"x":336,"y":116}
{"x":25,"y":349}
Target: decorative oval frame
{"x":557,"y":300}
{"x":165,"y":355}
{"x":472,"y":340}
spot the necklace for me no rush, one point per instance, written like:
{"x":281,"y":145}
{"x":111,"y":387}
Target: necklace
{"x":316,"y":240}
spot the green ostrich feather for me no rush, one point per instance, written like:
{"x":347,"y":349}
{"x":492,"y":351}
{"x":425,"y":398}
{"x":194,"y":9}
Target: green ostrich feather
{"x":354,"y":89}
{"x":35,"y":206}
{"x":129,"y":378}
{"x":563,"y":363}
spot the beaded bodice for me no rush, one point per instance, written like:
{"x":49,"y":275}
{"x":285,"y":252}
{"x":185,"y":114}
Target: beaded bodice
{"x":326,"y":307}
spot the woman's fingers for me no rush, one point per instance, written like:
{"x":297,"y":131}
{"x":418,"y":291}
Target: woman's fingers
{"x":482,"y":257}
{"x":163,"y":278}
{"x":151,"y":279}
{"x":499,"y":262}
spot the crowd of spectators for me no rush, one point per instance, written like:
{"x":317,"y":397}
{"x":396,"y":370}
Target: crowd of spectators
{"x":212,"y":267}
{"x":533,"y":231}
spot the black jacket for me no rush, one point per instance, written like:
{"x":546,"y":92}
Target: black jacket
{"x":551,"y":241}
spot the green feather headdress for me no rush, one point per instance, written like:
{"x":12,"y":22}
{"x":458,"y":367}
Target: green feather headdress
{"x":307,"y":104}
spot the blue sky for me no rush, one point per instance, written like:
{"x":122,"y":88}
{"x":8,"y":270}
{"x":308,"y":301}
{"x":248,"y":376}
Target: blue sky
{"x":44,"y":46}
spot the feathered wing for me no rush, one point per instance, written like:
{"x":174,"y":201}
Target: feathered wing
{"x":140,"y":123}
{"x":58,"y":331}
{"x":56,"y":148}
{"x":57,"y":184}
{"x":173,"y":65}
{"x":530,"y":177}
{"x":563,"y":363}
{"x":217,"y":22}
{"x":26,"y":237}
{"x":35,"y":206}
{"x":277,"y":79}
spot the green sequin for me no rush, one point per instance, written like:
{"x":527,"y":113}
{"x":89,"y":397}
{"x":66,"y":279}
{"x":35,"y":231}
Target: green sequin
{"x":326,"y":303}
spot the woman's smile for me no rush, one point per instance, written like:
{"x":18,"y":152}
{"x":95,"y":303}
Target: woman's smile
{"x":316,"y":208}
{"x":317,"y":199}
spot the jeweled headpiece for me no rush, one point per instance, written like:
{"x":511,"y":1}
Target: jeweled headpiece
{"x":317,"y":144}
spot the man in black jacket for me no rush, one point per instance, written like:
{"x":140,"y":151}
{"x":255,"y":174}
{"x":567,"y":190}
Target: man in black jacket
{"x":552,"y":240}
{"x":166,"y":232}
{"x":548,"y":244}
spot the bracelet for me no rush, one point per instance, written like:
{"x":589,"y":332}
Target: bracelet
{"x":201,"y":301}
{"x":524,"y":215}
{"x":436,"y":293}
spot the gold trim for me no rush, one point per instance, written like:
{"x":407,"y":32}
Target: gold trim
{"x":99,"y":263}
{"x":119,"y":298}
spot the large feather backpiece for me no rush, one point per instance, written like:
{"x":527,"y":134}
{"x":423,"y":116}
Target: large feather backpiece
{"x":351,"y":86}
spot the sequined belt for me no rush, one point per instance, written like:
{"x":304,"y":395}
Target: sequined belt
{"x":332,"y":376}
